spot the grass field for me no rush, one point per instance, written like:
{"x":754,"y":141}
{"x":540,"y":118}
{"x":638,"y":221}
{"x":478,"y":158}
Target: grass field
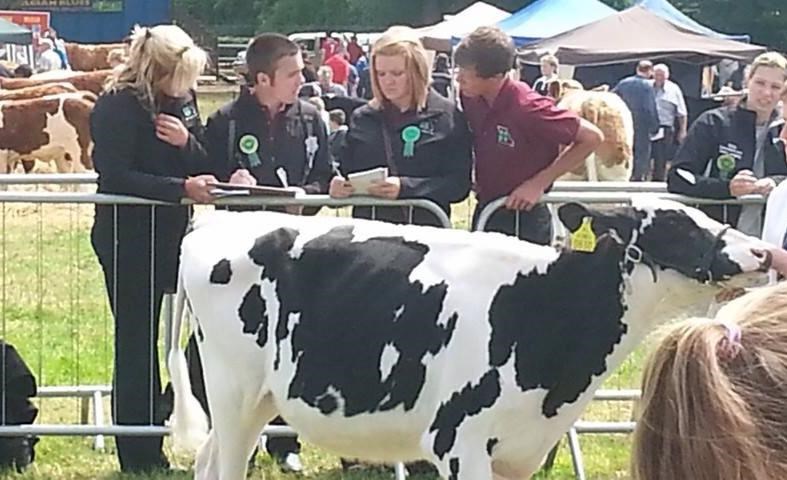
{"x":54,"y":310}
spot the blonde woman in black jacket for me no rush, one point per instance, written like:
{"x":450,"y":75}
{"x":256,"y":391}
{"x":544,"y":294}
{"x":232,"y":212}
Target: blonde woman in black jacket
{"x":146,"y":131}
{"x":419,"y":135}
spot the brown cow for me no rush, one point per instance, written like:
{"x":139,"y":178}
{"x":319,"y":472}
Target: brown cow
{"x":89,"y":57}
{"x":37,"y":91}
{"x":55,"y":128}
{"x":90,"y":81}
{"x":612,"y":160}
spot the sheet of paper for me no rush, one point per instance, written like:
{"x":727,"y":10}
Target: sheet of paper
{"x":362,"y":180}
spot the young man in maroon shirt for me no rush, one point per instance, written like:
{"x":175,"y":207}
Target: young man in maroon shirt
{"x":517,"y":135}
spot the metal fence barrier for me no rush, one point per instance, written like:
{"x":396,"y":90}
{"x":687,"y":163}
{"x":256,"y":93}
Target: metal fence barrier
{"x":93,"y":396}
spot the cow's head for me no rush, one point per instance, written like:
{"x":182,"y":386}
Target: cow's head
{"x":676,"y":239}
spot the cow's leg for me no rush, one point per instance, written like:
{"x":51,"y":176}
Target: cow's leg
{"x":237,"y":434}
{"x":238,"y":414}
{"x":466,"y":462}
{"x":206,"y":464}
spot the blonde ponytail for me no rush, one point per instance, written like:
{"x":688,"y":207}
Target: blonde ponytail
{"x":714,"y":398}
{"x":164,"y":53}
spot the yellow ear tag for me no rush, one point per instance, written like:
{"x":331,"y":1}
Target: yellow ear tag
{"x":583,"y":239}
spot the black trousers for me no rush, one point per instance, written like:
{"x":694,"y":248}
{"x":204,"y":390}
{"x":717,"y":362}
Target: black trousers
{"x":135,"y":299}
{"x":535,"y":225}
{"x":663,"y":150}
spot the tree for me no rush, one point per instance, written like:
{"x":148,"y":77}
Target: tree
{"x":764,"y":20}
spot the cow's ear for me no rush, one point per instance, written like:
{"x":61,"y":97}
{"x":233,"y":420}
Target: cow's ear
{"x":571,"y":214}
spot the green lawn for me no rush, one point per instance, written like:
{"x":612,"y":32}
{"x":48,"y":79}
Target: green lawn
{"x":53,"y":308}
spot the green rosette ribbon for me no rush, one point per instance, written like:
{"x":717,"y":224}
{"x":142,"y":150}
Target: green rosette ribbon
{"x":410,"y":135}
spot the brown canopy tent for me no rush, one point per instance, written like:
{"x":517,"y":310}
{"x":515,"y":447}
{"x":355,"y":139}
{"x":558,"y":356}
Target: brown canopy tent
{"x":635,"y":34}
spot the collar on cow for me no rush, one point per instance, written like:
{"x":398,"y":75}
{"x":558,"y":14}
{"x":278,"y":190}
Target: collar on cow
{"x":635,"y":255}
{"x":703,"y":269}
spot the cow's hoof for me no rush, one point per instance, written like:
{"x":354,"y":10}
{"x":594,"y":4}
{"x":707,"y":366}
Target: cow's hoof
{"x":291,"y":463}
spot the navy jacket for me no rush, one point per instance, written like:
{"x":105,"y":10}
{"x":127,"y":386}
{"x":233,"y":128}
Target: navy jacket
{"x":439,"y":169}
{"x":724,"y":130}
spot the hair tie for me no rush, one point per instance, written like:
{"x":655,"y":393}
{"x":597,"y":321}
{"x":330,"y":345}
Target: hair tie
{"x":183,"y":51}
{"x":730,"y":345}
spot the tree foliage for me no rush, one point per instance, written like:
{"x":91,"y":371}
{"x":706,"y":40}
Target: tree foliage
{"x":764,"y":20}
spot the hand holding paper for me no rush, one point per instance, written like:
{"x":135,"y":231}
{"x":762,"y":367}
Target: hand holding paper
{"x":362,"y":181}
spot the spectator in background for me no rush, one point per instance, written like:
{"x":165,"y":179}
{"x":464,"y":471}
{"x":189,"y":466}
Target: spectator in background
{"x":327,"y":85}
{"x":319,"y":104}
{"x":337,"y":126}
{"x":783,"y":135}
{"x":734,"y":151}
{"x":549,"y":68}
{"x":340,"y":66}
{"x":352,"y":81}
{"x":309,"y":72}
{"x":672,"y":113}
{"x":146,"y":131}
{"x":640,"y":97}
{"x":309,"y":90}
{"x":517,"y":135}
{"x":420,"y":136}
{"x":442,"y":80}
{"x":354,"y":50}
{"x":59,"y":46}
{"x":328,"y":47}
{"x":48,"y":59}
{"x":364,"y":89}
{"x":23,"y":71}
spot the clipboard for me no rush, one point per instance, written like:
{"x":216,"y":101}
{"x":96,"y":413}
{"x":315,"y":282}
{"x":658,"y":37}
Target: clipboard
{"x":231,"y":189}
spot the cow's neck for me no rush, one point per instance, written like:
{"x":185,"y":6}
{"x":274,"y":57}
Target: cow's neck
{"x":650,"y":303}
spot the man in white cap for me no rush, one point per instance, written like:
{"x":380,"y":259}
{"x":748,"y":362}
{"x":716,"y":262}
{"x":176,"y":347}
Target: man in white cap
{"x":48,"y":59}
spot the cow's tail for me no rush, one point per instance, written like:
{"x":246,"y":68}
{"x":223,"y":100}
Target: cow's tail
{"x":188,"y":423}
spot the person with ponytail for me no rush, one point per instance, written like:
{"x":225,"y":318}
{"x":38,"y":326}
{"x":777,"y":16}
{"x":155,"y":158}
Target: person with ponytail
{"x":146,"y":131}
{"x":714,"y":395}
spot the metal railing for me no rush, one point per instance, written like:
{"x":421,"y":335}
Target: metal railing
{"x":92,"y":396}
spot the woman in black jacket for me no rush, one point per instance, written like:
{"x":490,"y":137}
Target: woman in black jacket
{"x":146,"y":130}
{"x":420,"y":136}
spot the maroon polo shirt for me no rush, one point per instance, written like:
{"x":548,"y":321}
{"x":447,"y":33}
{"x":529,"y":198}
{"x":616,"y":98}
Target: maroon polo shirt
{"x":516,"y":137}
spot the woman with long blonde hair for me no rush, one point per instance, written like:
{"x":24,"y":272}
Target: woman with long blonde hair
{"x":146,"y":131}
{"x":714,"y":397}
{"x":421,"y":137}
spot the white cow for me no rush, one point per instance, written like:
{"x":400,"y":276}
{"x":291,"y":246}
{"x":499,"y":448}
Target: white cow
{"x":475,"y":351}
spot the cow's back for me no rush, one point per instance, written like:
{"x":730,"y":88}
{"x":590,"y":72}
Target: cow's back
{"x":90,"y":81}
{"x":89,"y":57}
{"x":37,"y":91}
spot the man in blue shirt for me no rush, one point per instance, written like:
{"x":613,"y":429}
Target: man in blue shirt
{"x":640,"y":97}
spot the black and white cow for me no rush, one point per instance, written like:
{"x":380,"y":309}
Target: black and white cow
{"x":475,"y":351}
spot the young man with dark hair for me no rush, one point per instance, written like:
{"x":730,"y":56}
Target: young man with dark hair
{"x":517,"y":135}
{"x":268,"y":136}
